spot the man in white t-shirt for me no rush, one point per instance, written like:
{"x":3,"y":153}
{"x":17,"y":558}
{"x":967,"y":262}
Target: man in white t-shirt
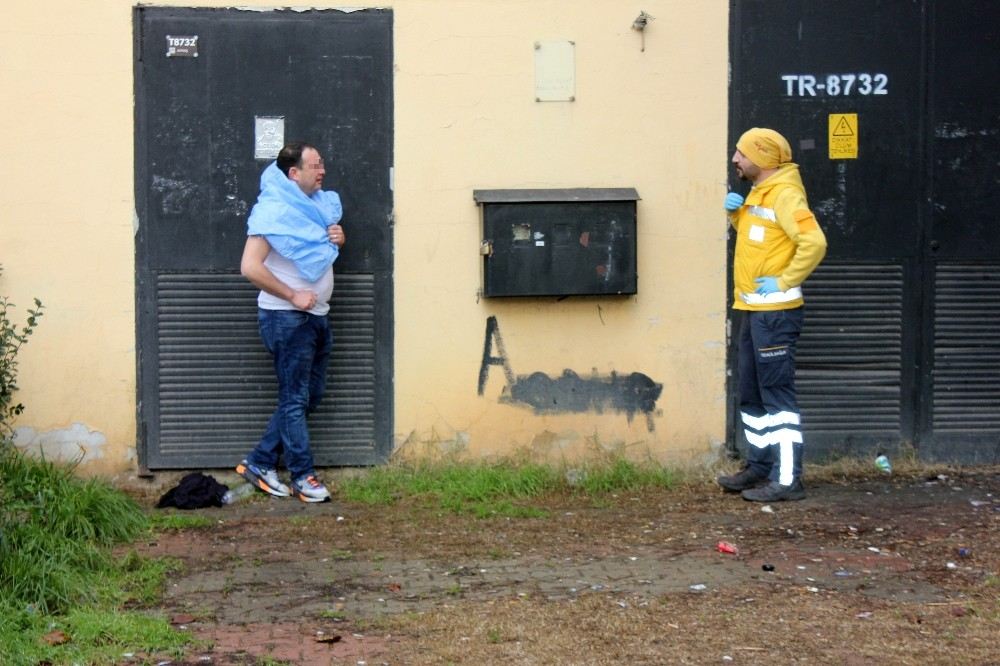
{"x":294,"y":236}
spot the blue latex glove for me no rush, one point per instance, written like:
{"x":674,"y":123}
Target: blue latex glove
{"x":767,"y":285}
{"x":733,"y":201}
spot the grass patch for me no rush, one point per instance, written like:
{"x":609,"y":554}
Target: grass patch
{"x":905,"y":464}
{"x":497,"y":489}
{"x":621,"y":475}
{"x":333,"y":615}
{"x":268,"y":660}
{"x":92,"y":636}
{"x":141,"y":579}
{"x":57,"y":573}
{"x":57,"y":530}
{"x":163,"y":522}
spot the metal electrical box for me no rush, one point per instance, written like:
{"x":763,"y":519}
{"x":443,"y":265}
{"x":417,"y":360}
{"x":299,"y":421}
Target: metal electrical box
{"x":558,"y":242}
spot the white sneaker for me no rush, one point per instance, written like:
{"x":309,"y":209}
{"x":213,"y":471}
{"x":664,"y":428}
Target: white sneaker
{"x":264,"y":479}
{"x":309,"y":489}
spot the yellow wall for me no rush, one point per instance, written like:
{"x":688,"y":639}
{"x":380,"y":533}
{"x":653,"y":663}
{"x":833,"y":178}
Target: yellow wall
{"x":465,"y":118}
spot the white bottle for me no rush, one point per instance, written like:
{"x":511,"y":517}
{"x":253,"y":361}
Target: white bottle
{"x":240,"y":492}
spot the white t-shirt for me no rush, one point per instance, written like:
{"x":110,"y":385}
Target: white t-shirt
{"x":285,"y":270}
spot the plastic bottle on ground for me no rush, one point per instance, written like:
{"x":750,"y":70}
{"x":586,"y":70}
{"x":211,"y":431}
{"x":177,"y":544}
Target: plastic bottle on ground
{"x":882,"y":462}
{"x":240,"y":492}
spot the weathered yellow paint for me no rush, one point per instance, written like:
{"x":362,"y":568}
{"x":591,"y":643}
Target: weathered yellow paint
{"x":465,"y":118}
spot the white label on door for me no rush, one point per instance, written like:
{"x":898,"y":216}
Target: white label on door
{"x":185,"y":46}
{"x":268,"y":136}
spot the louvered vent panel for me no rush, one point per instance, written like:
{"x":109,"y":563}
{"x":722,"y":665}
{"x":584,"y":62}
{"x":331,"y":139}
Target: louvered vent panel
{"x":849,"y":355}
{"x":216,"y":382}
{"x":966,"y":378}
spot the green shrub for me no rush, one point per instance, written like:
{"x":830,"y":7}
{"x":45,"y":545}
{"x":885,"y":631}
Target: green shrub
{"x":11,"y":340}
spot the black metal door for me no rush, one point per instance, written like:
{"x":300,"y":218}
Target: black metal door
{"x":962,"y":417}
{"x":207,"y":82}
{"x":875,"y":336}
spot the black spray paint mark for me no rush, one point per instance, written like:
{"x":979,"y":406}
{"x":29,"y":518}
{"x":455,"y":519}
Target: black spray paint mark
{"x":632,"y":394}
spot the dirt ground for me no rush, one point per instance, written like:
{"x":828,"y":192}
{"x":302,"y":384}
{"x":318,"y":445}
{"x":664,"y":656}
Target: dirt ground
{"x":883,"y":570}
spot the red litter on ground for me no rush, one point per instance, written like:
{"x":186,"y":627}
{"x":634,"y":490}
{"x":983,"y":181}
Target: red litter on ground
{"x":726,"y":547}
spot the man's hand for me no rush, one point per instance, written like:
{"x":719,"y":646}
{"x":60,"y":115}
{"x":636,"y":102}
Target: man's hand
{"x":335,"y":233}
{"x":304,"y":300}
{"x":767,"y":285}
{"x":733,"y":201}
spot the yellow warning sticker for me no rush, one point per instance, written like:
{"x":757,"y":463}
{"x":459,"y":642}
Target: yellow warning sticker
{"x":843,"y":136}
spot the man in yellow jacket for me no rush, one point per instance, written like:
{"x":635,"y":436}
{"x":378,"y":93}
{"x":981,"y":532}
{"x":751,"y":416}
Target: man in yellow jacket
{"x":778,"y":244}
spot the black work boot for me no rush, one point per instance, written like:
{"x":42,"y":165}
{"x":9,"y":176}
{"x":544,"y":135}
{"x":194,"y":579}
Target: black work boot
{"x":742,"y":480}
{"x":775,"y":492}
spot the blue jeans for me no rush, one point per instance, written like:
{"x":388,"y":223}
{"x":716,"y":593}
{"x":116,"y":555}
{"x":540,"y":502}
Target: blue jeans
{"x":769,"y":408}
{"x":300,"y":344}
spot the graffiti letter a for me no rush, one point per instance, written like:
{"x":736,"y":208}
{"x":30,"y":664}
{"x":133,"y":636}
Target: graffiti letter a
{"x":493,"y":334}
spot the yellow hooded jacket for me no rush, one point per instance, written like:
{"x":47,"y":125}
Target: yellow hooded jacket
{"x":776,"y":234}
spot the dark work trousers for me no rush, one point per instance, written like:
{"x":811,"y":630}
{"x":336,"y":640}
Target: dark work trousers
{"x":769,"y":411}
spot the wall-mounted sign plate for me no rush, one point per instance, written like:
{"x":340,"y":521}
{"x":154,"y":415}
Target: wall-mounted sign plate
{"x":268,"y":136}
{"x":843,"y":136}
{"x":555,"y":72}
{"x":182,"y":46}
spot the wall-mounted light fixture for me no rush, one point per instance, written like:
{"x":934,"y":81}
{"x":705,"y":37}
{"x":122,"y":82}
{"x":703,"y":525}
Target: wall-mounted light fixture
{"x":640,"y":23}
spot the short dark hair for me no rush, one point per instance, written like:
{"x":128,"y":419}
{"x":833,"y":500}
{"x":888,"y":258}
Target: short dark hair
{"x":290,"y":155}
